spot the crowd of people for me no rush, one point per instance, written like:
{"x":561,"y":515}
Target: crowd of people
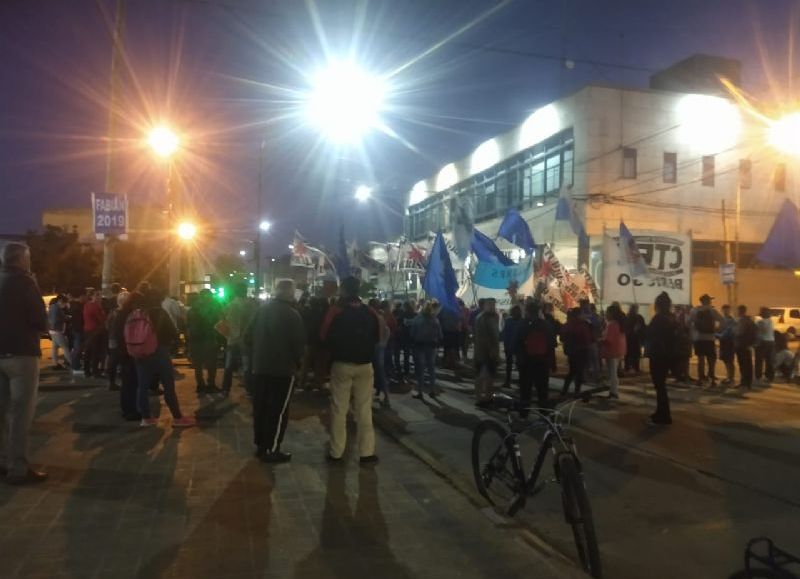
{"x":353,"y":349}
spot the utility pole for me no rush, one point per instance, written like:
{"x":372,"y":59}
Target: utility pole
{"x":116,"y":55}
{"x":260,"y":195}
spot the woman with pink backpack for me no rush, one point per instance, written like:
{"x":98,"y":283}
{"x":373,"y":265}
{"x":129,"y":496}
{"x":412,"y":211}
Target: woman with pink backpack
{"x":149,"y":333}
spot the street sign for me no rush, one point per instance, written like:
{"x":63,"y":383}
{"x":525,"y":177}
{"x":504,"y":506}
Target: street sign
{"x":727,"y":273}
{"x":109,"y":214}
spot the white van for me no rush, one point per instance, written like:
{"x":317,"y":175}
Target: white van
{"x":786,"y":320}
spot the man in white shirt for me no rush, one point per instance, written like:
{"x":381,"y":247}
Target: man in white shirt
{"x":765,"y":348}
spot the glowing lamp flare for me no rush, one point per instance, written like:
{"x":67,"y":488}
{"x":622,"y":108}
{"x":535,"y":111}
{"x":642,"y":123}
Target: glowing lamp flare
{"x":163,"y":141}
{"x":264,"y":225}
{"x":363,"y":193}
{"x":187,"y":231}
{"x":784,"y":134}
{"x":345,"y":102}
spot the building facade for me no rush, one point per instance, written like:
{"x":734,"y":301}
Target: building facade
{"x":666,"y":160}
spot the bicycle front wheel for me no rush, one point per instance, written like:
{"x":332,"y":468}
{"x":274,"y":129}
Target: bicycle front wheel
{"x":578,"y":513}
{"x":493,"y":465}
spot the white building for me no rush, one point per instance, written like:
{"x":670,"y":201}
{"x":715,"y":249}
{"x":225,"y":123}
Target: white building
{"x":659,"y":159}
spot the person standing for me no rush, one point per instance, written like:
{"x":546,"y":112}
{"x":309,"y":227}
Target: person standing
{"x":486,"y":351}
{"x":509,"y":336}
{"x":277,"y":339}
{"x":238,"y":316}
{"x":76,"y":329}
{"x":704,"y":320}
{"x":114,"y":345}
{"x":576,"y":336}
{"x":613,"y":347}
{"x":765,"y":348}
{"x":660,"y":343}
{"x":727,"y":350}
{"x":406,"y":344}
{"x":94,"y":327}
{"x":57,"y":320}
{"x":380,"y":380}
{"x":350,"y":332}
{"x":426,"y":334}
{"x":534,"y":347}
{"x":450,"y":322}
{"x":634,"y":333}
{"x":744,"y":340}
{"x":126,"y":364}
{"x":555,"y":326}
{"x":202,"y":340}
{"x":149,"y":333}
{"x":23,"y":320}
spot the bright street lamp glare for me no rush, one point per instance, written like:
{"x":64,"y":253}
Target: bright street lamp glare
{"x":363,"y":193}
{"x":242,"y":252}
{"x":345,"y":102}
{"x":163,"y":141}
{"x":784,"y":134}
{"x":187,"y":231}
{"x":264,"y":225}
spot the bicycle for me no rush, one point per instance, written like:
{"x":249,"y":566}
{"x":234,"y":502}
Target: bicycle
{"x":775,"y":563}
{"x":500,"y":475}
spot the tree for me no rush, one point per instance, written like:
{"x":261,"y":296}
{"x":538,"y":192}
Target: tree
{"x":61,"y":263}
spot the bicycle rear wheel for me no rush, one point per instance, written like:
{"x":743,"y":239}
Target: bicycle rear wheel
{"x":493,"y":464}
{"x":578,"y":513}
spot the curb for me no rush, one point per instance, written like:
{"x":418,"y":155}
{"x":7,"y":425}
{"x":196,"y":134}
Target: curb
{"x":527,"y":534}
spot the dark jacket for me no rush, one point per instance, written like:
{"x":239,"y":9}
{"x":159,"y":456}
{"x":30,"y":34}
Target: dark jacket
{"x":528,"y":327}
{"x":23,"y":318}
{"x":277,"y":339}
{"x":661,"y":337}
{"x":350,"y":331}
{"x":166,"y":333}
{"x":576,"y":335}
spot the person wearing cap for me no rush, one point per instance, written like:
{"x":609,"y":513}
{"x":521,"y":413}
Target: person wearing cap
{"x":705,"y":320}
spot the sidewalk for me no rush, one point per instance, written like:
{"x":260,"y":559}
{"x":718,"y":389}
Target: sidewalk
{"x":125,"y":501}
{"x":676,"y":502}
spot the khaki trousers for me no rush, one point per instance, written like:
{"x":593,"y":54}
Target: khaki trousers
{"x":19,"y":385}
{"x":351,"y":381}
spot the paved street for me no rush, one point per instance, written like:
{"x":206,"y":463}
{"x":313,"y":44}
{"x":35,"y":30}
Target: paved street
{"x":674,"y":502}
{"x":125,"y":501}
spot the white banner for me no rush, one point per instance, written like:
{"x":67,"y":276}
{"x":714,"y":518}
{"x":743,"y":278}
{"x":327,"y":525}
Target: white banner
{"x":669,"y":262}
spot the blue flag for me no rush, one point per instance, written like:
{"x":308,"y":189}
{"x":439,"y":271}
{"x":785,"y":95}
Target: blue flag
{"x":566,"y":213}
{"x":515,"y":230}
{"x":782,"y":246}
{"x":629,"y":253}
{"x":440,"y":279}
{"x":486,"y":250}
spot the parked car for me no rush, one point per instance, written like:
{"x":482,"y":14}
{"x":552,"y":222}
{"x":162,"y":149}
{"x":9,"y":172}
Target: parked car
{"x":786,"y":320}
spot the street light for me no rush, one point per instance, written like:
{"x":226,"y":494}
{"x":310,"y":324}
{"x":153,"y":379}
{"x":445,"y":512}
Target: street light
{"x":242,"y":252}
{"x":264,"y":225}
{"x":345,"y":101}
{"x":363,"y":193}
{"x":784,"y":134}
{"x":163,"y":141}
{"x":187,"y":230}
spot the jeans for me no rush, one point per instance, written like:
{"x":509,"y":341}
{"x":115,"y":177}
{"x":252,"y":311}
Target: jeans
{"x":113,"y":365}
{"x":509,"y":363}
{"x":577,"y":365}
{"x":204,"y":357}
{"x":156,"y":366}
{"x":765,"y":352}
{"x":706,"y":350}
{"x":633,"y":355}
{"x":59,"y":340}
{"x":235,"y":359}
{"x":612,"y":365}
{"x":425,"y":367}
{"x":351,"y":382}
{"x":77,"y":350}
{"x":94,"y":351}
{"x":19,"y":385}
{"x":381,"y":382}
{"x":271,"y":397}
{"x":659,"y":368}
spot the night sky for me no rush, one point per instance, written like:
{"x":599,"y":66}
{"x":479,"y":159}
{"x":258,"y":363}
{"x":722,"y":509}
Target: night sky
{"x":229,"y":73}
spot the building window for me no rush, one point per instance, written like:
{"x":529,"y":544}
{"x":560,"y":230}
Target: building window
{"x":745,"y":178}
{"x":779,"y":178}
{"x":670,"y":168}
{"x":569,"y":167}
{"x":708,"y":171}
{"x":553,"y":173}
{"x":628,"y":163}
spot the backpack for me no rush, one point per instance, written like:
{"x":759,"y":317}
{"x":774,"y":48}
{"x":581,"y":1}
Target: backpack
{"x":140,"y":335}
{"x":537,"y":342}
{"x":704,"y":322}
